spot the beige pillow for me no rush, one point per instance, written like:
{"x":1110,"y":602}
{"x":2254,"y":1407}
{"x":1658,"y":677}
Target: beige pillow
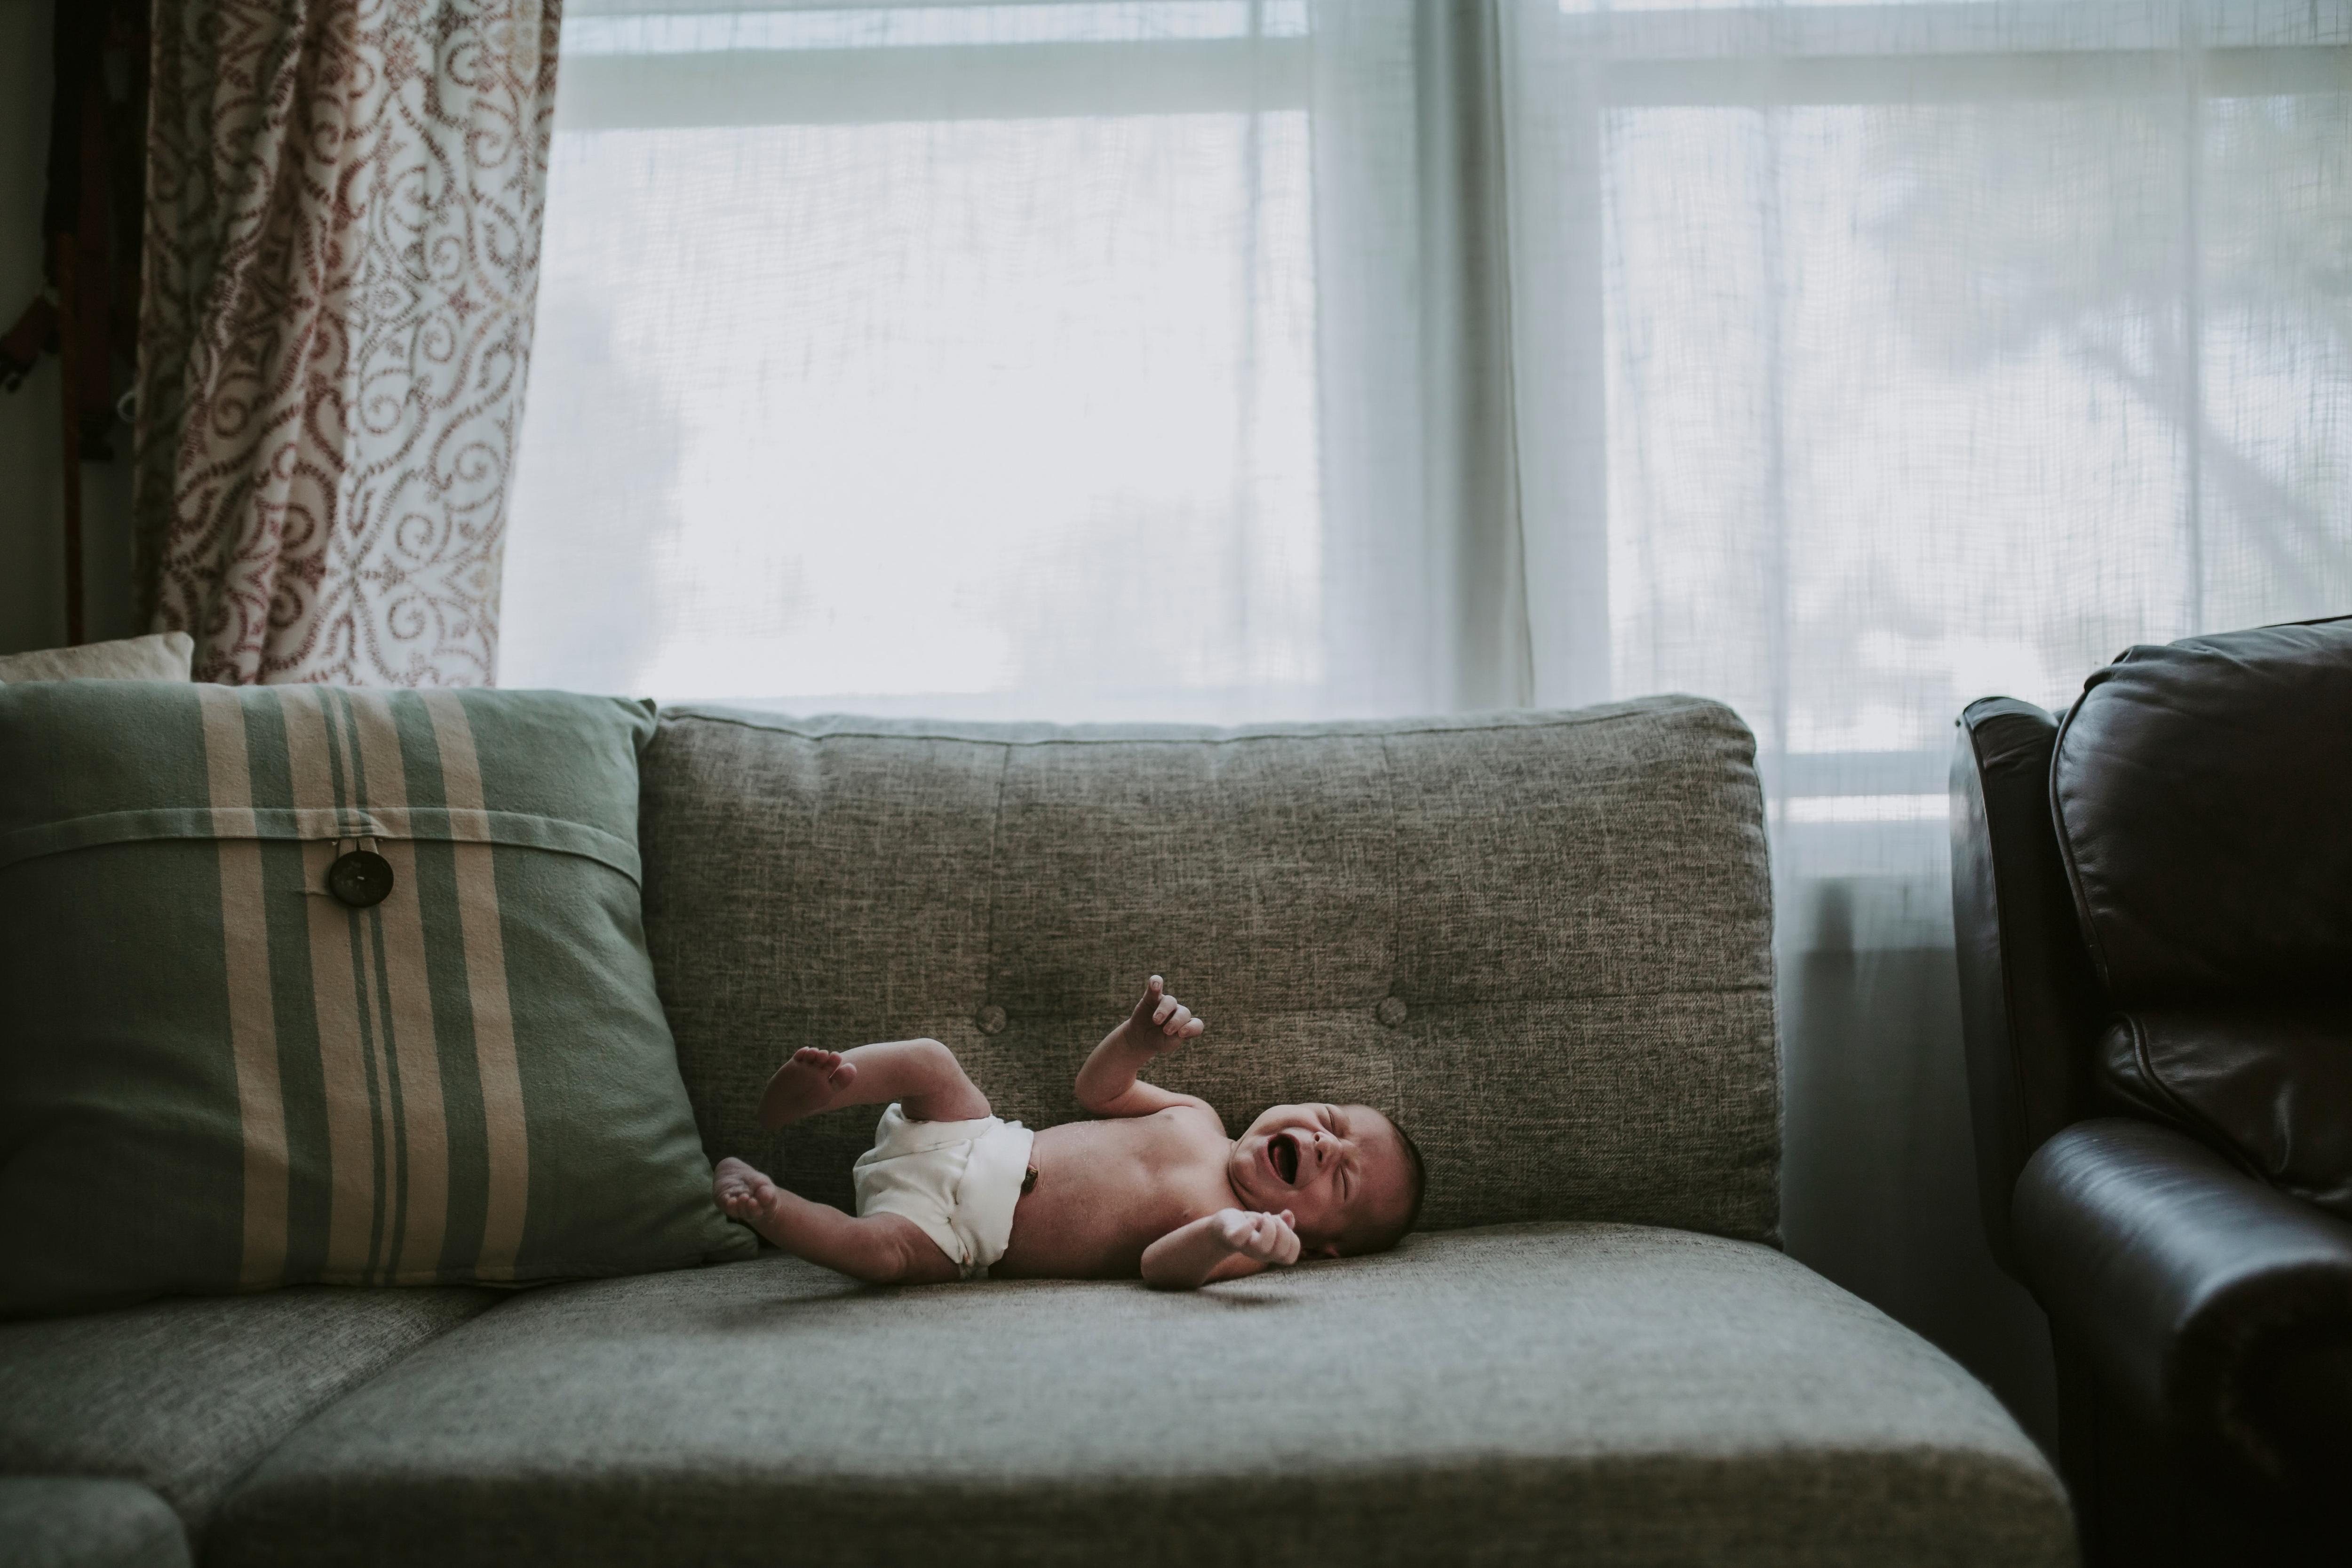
{"x":163,"y":656}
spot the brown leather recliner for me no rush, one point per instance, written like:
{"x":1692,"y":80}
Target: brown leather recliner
{"x":2152,"y":898}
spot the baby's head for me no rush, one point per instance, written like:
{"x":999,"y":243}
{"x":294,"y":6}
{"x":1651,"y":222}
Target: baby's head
{"x":1348,"y":1175}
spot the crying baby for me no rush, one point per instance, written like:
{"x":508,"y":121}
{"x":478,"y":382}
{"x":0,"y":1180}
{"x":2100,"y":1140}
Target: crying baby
{"x":1153,"y":1186}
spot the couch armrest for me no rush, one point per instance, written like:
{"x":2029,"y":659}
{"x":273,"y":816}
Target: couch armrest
{"x":2219,"y":1307}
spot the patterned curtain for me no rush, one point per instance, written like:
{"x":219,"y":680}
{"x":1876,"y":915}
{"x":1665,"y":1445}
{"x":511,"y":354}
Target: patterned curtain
{"x":343,"y":249}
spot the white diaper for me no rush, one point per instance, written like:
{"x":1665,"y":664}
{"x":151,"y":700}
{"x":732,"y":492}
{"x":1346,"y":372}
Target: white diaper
{"x":958,"y":1180}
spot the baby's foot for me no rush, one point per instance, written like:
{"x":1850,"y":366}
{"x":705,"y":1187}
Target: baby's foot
{"x":745,"y":1194}
{"x":805,"y":1084}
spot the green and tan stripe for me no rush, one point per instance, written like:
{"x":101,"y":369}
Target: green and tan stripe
{"x":336,"y":977}
{"x":410,"y":1048}
{"x":369,"y":1002}
{"x":253,"y":1031}
{"x":370,"y":992}
{"x":506,"y":1136}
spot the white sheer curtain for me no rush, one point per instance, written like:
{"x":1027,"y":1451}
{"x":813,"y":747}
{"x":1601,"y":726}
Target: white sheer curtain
{"x":1041,"y":360}
{"x":1873,"y":358}
{"x":1244,"y":359}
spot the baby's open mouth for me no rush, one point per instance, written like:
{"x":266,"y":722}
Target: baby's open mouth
{"x":1283,"y":1150}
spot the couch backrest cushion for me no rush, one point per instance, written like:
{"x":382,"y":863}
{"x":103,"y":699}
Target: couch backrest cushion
{"x":1541,"y":941}
{"x":2202,"y":790}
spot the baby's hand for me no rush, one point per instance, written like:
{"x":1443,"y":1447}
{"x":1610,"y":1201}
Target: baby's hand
{"x":1162,"y":1015}
{"x":1265,"y":1236}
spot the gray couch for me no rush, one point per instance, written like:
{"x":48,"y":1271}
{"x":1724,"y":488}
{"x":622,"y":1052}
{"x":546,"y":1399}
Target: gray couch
{"x":1541,"y":941}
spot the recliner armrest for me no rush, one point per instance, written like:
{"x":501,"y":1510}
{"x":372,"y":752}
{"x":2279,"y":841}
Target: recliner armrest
{"x":2200,"y":1294}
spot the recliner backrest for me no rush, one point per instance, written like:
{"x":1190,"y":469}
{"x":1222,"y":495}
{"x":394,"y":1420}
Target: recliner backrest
{"x":2153,"y":911}
{"x":2203,"y":796}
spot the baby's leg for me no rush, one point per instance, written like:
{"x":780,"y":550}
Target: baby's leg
{"x":922,"y":1075}
{"x":881,"y":1249}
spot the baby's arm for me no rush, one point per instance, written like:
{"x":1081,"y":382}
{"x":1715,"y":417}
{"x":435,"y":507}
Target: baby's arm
{"x":1160,"y":1023}
{"x":1226,"y":1244}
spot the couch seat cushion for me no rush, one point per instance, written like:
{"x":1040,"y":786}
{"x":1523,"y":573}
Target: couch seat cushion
{"x":1552,"y":1392}
{"x":184,"y":1395}
{"x":69,"y":1521}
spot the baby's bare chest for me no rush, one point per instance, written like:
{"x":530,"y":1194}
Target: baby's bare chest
{"x":1106,"y":1190}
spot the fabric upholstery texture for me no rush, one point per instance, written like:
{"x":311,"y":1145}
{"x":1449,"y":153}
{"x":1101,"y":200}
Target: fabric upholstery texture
{"x":164,"y":656}
{"x":63,"y":1522}
{"x":184,"y":1397}
{"x":468,"y":1080}
{"x":1549,"y":1392}
{"x":1542,"y":941}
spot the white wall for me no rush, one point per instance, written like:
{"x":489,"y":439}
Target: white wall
{"x":32,"y":496}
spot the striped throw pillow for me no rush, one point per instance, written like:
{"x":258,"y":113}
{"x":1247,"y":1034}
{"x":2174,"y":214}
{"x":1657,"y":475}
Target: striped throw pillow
{"x":305,"y":984}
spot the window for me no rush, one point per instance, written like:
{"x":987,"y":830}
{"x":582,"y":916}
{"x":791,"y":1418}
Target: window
{"x":1893,"y":355}
{"x":962,"y":358}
